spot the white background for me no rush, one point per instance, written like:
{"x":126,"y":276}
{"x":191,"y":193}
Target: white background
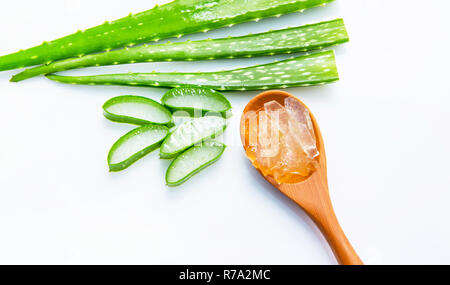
{"x":385,"y":125}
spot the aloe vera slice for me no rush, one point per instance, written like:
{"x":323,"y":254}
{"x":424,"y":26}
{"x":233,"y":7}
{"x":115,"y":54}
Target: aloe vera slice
{"x":196,"y":98}
{"x":135,"y":145}
{"x":193,"y":161}
{"x":136,"y":110}
{"x":173,"y":19}
{"x":190,"y":133}
{"x":291,"y":40}
{"x":314,"y":69}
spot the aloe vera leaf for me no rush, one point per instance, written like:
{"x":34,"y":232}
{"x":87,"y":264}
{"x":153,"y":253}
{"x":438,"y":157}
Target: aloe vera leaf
{"x":190,"y":133}
{"x":314,"y":69}
{"x":190,"y":99}
{"x":135,"y":145}
{"x":173,"y":19}
{"x":291,"y":40}
{"x":193,"y":161}
{"x":136,"y":110}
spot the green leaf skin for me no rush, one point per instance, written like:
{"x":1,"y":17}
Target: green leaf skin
{"x":193,"y":161}
{"x":190,"y":133}
{"x":135,"y":145}
{"x":174,"y":19}
{"x":314,"y":69}
{"x":136,"y":110}
{"x":299,"y":39}
{"x":192,"y":99}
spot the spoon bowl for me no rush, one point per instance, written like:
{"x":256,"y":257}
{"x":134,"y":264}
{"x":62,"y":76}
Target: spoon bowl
{"x":312,"y":193}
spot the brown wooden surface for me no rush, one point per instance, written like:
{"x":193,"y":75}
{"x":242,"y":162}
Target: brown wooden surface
{"x":311,"y":194}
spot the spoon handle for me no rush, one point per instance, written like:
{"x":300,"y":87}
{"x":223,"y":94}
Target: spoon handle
{"x":325,"y":218}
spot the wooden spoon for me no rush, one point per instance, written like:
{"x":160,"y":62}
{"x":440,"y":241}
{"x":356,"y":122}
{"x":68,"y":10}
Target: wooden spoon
{"x":311,"y":194}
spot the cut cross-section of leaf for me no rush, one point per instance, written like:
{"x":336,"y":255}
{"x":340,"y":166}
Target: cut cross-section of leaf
{"x":190,"y":133}
{"x":193,"y":161}
{"x":136,"y":110}
{"x":135,"y":145}
{"x":191,"y":99}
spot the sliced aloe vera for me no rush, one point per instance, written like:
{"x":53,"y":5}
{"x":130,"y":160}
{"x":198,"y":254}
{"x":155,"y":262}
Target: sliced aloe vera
{"x":136,"y":110}
{"x":190,"y":133}
{"x":135,"y":145}
{"x":193,"y":161}
{"x":191,"y":99}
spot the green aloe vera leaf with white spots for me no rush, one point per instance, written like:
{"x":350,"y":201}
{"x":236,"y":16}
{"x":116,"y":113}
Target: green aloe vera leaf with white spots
{"x":192,"y":99}
{"x":193,"y":161}
{"x":190,"y":133}
{"x":313,"y":69}
{"x":291,"y":40}
{"x":135,"y":145}
{"x":173,"y":19}
{"x":136,"y":110}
